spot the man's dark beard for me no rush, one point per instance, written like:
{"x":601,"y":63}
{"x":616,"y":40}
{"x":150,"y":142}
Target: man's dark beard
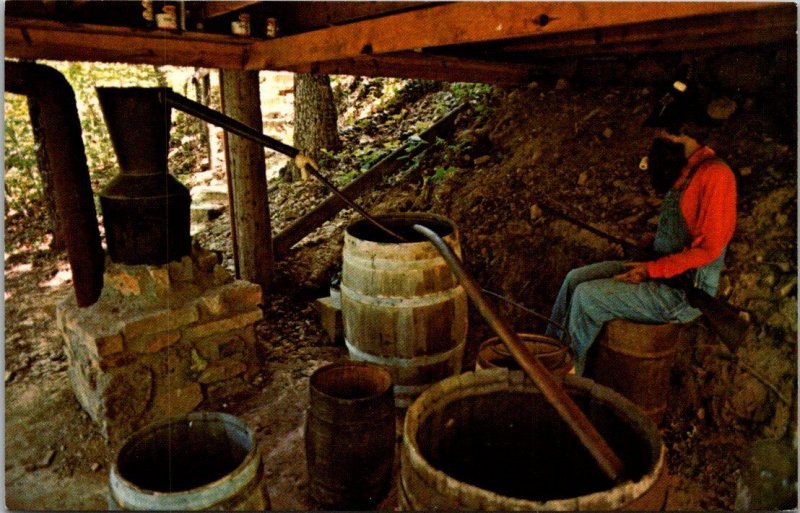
{"x":665,"y":162}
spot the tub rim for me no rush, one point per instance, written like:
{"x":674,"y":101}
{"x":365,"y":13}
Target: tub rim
{"x":471,"y":496}
{"x":222,"y":489}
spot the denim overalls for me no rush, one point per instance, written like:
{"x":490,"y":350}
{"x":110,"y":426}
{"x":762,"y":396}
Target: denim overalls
{"x":590,"y":296}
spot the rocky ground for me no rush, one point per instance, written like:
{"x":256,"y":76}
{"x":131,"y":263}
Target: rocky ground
{"x":570,"y":143}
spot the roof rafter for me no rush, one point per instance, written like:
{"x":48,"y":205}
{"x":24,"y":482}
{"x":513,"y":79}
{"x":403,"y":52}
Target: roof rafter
{"x":426,"y":67}
{"x":40,"y":39}
{"x":469,"y":22}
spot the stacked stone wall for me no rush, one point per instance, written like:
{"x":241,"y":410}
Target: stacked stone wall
{"x":161,"y":341}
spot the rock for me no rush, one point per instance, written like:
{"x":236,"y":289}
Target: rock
{"x":750,"y":399}
{"x":721,"y":108}
{"x":607,"y":133}
{"x":648,"y":71}
{"x":789,"y":287}
{"x":95,"y":466}
{"x":582,"y":178}
{"x":209,"y":194}
{"x":536,"y":212}
{"x":742,"y":71}
{"x":768,"y":480}
{"x":46,"y":460}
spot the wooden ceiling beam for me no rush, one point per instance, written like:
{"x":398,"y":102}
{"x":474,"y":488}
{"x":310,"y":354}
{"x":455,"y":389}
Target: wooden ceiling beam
{"x":694,"y":28}
{"x":470,"y":22}
{"x":425,"y":67}
{"x":38,"y":39}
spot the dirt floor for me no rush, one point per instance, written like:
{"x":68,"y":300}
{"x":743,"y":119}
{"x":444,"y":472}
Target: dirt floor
{"x":512,"y":149}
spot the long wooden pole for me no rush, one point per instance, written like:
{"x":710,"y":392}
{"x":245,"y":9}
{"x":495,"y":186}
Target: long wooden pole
{"x":552,"y":391}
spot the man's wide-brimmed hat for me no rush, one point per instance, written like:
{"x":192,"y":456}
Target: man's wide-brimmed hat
{"x":681,"y":101}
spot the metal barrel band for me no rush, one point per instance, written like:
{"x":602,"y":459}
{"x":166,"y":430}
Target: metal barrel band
{"x":415,"y":361}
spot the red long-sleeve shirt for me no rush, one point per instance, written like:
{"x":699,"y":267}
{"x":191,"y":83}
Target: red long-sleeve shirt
{"x":708,"y":205}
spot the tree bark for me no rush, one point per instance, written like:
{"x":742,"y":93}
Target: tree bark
{"x":314,"y":118}
{"x":46,"y":174}
{"x":250,"y":222}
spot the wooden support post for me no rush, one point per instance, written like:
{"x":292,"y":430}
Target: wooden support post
{"x":250,"y":223}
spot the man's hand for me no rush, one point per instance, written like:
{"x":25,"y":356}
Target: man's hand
{"x":300,"y":161}
{"x":636,"y":273}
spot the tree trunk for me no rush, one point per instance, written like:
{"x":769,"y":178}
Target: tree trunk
{"x":314,"y":118}
{"x":46,"y":175}
{"x":247,"y":179}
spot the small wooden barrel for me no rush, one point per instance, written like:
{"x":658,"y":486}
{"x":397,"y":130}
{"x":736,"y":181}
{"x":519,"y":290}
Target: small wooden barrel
{"x":635,"y":360}
{"x":350,"y":435}
{"x":488,"y":440}
{"x":403,"y":309}
{"x":198,"y":461}
{"x":550,"y":352}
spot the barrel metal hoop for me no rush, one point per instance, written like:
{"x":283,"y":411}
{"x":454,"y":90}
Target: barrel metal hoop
{"x":641,"y":355}
{"x":402,"y":302}
{"x":396,"y":361}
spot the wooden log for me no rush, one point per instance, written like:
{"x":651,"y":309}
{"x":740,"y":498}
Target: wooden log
{"x":470,"y":22}
{"x":250,"y":220}
{"x":654,"y":35}
{"x":39,"y":39}
{"x":333,"y":204}
{"x":426,"y":67}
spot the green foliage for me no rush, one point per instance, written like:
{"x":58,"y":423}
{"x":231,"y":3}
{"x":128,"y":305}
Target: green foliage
{"x":440,"y":173}
{"x":348,"y":177}
{"x":472,"y":92}
{"x":22,"y":181}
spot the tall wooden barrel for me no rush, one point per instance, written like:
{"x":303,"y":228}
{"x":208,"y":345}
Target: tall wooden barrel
{"x":488,"y":440}
{"x":350,"y":435}
{"x":198,"y":461}
{"x":552,"y":353}
{"x":403,"y":308}
{"x":635,"y":360}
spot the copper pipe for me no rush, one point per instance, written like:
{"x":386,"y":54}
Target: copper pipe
{"x":552,"y":391}
{"x":58,"y":117}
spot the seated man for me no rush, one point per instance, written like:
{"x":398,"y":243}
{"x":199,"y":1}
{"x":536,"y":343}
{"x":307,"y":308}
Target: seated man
{"x":696,"y":223}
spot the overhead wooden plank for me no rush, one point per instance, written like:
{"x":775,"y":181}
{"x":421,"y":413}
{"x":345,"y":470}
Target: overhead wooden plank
{"x":695,"y":28}
{"x":470,"y":22}
{"x":38,"y":39}
{"x":303,"y":16}
{"x":742,"y":38}
{"x":426,"y":67}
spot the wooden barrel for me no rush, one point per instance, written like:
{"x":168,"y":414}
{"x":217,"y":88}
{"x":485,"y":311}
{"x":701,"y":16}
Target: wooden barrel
{"x":635,"y":360}
{"x":403,"y":308}
{"x":488,"y":440}
{"x":552,"y":353}
{"x":350,"y":435}
{"x":198,"y":461}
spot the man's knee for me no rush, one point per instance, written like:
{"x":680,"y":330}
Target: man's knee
{"x":574,"y":278}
